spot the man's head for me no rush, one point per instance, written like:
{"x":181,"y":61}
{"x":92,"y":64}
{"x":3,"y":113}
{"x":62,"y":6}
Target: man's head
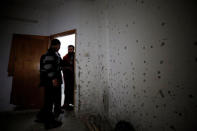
{"x":55,"y":45}
{"x":71,"y":49}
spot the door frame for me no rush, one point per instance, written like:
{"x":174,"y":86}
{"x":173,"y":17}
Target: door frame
{"x":73,"y":31}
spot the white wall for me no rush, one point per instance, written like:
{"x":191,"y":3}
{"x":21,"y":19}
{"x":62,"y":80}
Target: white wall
{"x":152,"y":64}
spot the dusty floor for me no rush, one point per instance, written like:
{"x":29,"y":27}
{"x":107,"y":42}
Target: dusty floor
{"x":24,"y":121}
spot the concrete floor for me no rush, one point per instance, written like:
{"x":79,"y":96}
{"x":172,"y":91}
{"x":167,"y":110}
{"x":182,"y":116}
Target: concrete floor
{"x":24,"y":121}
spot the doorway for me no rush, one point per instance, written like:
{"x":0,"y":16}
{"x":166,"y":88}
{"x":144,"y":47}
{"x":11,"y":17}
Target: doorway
{"x":65,"y":42}
{"x":66,"y":38}
{"x":23,"y":66}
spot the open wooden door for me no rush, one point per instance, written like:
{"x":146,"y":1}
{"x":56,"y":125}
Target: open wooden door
{"x":24,"y":66}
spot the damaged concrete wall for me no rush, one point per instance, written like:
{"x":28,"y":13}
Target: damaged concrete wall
{"x":152,"y":64}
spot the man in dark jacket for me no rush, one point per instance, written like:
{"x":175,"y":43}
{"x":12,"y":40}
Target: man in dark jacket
{"x":51,"y":80}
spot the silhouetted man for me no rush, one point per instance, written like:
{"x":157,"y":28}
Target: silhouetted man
{"x":68,"y":71}
{"x":51,"y":80}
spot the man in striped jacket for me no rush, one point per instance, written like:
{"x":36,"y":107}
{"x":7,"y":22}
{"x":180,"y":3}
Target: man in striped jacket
{"x":51,"y":80}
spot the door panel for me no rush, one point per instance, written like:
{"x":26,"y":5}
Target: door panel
{"x":25,"y":53}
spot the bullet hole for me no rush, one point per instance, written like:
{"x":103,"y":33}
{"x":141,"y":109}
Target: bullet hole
{"x":143,"y":47}
{"x":144,"y":80}
{"x":133,"y":78}
{"x":161,"y":93}
{"x":120,"y":62}
{"x":161,"y":62}
{"x":144,"y":91}
{"x":131,"y":63}
{"x":133,"y":22}
{"x":195,"y":43}
{"x":144,"y":74}
{"x":154,"y":117}
{"x":172,"y":127}
{"x":157,"y":106}
{"x":196,"y":59}
{"x":159,"y":77}
{"x":127,"y":25}
{"x":87,"y":54}
{"x":119,"y":32}
{"x":133,"y":68}
{"x":137,"y":41}
{"x":133,"y":87}
{"x":142,"y":2}
{"x":180,"y":114}
{"x":102,"y":68}
{"x":114,"y":61}
{"x":190,"y":96}
{"x":163,"y":43}
{"x":151,"y":46}
{"x":125,"y":47}
{"x":158,"y":72}
{"x":144,"y":61}
{"x":169,"y":92}
{"x":163,"y":23}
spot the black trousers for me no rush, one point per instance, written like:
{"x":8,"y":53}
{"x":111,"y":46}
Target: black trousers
{"x":52,"y":97}
{"x":69,"y":91}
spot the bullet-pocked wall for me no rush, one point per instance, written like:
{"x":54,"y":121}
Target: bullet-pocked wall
{"x":152,"y":63}
{"x":135,"y":59}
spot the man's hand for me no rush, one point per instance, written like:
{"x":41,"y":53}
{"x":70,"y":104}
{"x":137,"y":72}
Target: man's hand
{"x":55,"y":82}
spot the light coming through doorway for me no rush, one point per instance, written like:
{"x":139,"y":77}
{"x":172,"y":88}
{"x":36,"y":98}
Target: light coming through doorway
{"x":65,"y":41}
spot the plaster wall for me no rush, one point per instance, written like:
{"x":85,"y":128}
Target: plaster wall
{"x":152,"y":63}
